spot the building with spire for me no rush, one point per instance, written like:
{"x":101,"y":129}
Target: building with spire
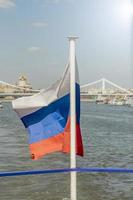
{"x":23,"y":82}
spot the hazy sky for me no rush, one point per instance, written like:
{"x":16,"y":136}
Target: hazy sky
{"x":33,"y":39}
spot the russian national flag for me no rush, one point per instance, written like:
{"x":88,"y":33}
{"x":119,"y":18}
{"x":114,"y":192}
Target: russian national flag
{"x":46,"y":116}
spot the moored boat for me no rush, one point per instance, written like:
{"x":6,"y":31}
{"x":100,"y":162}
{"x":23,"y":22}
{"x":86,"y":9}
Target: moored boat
{"x":116,"y":102}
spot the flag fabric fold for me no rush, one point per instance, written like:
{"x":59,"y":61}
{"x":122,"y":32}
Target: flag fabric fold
{"x":46,"y":116}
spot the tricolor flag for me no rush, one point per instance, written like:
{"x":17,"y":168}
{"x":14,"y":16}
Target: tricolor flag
{"x":46,"y":116}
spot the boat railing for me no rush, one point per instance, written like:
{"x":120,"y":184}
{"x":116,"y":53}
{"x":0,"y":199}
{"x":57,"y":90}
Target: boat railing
{"x":66,"y":170}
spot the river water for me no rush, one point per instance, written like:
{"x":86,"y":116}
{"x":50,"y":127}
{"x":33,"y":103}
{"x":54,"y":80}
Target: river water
{"x":108,"y":142}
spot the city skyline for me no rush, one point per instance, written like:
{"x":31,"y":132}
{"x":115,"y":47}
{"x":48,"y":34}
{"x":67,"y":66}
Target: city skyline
{"x":34,"y":40}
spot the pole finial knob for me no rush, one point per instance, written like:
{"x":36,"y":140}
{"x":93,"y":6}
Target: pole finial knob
{"x":72,"y":37}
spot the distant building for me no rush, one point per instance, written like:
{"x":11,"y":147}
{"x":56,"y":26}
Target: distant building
{"x":6,"y":88}
{"x":23,"y":82}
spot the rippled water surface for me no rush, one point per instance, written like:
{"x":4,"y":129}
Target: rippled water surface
{"x":108,"y":142}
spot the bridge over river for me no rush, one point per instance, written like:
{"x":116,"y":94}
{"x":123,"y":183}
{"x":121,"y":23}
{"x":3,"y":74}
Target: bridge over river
{"x":104,"y":88}
{"x":93,"y":90}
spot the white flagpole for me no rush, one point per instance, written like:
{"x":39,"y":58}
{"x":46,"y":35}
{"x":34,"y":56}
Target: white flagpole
{"x":72,"y":63}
